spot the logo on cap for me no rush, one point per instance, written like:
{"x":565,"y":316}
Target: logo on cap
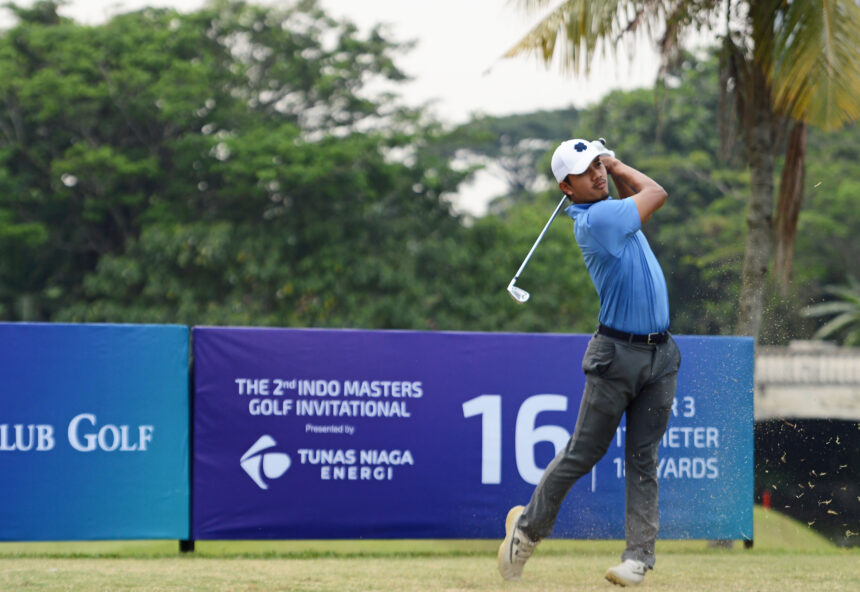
{"x":580,"y":147}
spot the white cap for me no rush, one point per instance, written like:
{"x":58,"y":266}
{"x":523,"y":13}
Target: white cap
{"x":573,"y":157}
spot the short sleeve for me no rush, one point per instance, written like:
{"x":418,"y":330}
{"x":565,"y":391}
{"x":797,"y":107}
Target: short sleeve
{"x":612,"y":221}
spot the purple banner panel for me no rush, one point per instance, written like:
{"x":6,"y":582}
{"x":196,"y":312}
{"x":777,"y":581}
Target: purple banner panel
{"x":304,"y":434}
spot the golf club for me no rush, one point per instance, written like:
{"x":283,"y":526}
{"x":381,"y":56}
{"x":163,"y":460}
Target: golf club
{"x":517,"y":293}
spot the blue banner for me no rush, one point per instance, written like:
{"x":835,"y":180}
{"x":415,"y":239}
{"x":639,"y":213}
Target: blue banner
{"x":94,"y":426}
{"x":393,"y":434}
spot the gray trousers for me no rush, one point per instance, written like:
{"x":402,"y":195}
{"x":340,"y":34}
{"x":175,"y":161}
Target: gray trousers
{"x":620,"y":377}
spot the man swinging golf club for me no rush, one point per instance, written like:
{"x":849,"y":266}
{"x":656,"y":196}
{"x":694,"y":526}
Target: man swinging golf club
{"x":631,"y":362}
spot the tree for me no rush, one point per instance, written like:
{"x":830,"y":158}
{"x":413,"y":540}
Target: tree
{"x":142,"y":179}
{"x":229,"y":165}
{"x":786,"y":64}
{"x":510,"y":147}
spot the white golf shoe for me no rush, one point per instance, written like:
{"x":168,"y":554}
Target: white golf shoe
{"x":516,"y":548}
{"x":628,"y":573}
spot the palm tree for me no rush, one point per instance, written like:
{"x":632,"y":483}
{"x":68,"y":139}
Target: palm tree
{"x":845,"y":307}
{"x":784,"y":64}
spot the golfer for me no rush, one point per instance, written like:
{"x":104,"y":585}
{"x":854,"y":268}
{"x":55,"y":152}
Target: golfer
{"x":630,"y":365}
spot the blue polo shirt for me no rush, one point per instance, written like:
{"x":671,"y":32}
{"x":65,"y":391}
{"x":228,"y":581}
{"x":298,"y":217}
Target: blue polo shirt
{"x":627,"y":276}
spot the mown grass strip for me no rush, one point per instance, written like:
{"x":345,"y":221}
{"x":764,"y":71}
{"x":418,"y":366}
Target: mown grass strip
{"x":774,"y":533}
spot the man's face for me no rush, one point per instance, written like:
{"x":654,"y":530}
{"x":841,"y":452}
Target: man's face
{"x":589,"y":186}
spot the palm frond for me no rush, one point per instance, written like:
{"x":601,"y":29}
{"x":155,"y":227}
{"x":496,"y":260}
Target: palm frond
{"x":578,"y":27}
{"x":849,"y":294}
{"x":815,"y":61}
{"x":824,"y":309}
{"x":852,"y":338}
{"x":846,"y":307}
{"x":835,"y":325}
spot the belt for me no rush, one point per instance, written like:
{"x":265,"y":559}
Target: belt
{"x":650,"y":338}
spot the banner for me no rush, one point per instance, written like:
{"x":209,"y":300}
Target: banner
{"x":94,"y":429}
{"x":393,"y":434}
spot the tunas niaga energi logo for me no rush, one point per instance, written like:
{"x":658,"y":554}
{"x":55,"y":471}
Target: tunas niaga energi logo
{"x":258,"y":463}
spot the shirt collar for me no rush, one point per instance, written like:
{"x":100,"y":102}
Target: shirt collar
{"x":576,"y":209}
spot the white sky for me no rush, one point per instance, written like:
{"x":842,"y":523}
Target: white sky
{"x":456,"y":64}
{"x":460,"y":40}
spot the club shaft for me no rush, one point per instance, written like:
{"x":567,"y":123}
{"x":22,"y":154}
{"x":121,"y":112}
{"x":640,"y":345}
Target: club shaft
{"x":540,"y":237}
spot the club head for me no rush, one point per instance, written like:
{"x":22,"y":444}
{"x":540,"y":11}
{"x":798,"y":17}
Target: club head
{"x":518,"y":294}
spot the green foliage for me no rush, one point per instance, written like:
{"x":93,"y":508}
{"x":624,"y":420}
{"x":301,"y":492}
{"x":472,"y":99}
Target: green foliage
{"x":562,"y":296}
{"x":844,"y":309}
{"x":784,"y":65}
{"x":670,"y":133}
{"x":208,"y":168}
{"x":231,"y":166}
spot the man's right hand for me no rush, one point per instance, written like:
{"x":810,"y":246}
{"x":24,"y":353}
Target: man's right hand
{"x":610,"y":162}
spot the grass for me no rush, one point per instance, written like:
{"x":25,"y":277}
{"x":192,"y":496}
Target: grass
{"x":787,"y":556}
